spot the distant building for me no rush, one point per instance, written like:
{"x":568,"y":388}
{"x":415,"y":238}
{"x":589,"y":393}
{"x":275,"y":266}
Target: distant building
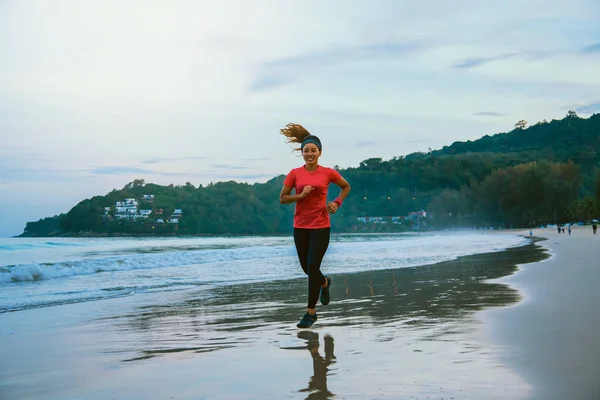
{"x":145,"y":213}
{"x":126,"y":209}
{"x":148,"y":197}
{"x":417,"y":214}
{"x":175,"y":216}
{"x":373,"y":220}
{"x":130,"y":203}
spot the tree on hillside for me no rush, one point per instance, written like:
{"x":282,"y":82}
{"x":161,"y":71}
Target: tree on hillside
{"x":572,"y":114}
{"x":582,"y":209}
{"x":522,"y":124}
{"x":137,"y":183}
{"x":519,"y":195}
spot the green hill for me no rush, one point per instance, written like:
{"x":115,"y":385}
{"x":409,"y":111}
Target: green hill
{"x":570,"y":139}
{"x":522,"y":178}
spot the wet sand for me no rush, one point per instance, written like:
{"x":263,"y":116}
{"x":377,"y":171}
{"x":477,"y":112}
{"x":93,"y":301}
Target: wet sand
{"x":411,"y":333}
{"x":551,"y":338}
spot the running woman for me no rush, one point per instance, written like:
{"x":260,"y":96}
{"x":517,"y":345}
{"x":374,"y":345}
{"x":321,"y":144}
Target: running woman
{"x":312,"y":224}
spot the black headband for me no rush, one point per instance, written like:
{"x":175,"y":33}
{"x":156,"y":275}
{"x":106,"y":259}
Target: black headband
{"x":311,"y":139}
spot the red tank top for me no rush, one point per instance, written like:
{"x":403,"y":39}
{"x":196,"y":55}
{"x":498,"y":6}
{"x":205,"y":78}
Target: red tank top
{"x":311,"y":211}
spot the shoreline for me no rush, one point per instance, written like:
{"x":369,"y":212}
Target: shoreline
{"x":388,"y":268}
{"x":346,"y":232}
{"x":201,"y":235}
{"x":549,"y":336}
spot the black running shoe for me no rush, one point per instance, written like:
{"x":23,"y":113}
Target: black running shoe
{"x":325,"y":292}
{"x":307,"y":321}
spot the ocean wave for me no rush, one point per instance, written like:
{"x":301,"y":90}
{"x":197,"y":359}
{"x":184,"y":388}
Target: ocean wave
{"x":64,"y":244}
{"x":417,"y":250}
{"x":43,"y":271}
{"x":17,"y":246}
{"x":37,"y":245}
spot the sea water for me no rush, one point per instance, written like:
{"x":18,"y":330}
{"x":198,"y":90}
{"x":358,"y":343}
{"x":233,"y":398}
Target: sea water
{"x":42,"y":272}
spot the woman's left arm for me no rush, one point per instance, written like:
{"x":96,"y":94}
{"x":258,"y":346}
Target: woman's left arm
{"x":345,"y":189}
{"x":333,"y":206}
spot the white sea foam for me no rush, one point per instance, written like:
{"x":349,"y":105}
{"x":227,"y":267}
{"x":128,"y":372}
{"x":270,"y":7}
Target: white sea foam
{"x":40,"y":271}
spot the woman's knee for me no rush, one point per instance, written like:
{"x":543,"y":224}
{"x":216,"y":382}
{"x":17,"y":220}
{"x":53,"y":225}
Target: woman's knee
{"x":315,"y":275}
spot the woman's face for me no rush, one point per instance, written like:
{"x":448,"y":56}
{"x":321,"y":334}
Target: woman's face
{"x":311,"y":154}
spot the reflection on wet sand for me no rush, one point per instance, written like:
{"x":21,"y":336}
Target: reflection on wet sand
{"x":317,"y":384}
{"x":415,"y":298}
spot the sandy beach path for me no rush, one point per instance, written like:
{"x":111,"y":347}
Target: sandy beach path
{"x":552,"y":336}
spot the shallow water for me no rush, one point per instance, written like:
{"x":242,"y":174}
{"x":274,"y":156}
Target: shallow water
{"x":41,"y":272}
{"x":406,"y":332}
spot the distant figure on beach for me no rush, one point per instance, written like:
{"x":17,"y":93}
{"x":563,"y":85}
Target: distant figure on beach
{"x":594,"y":228}
{"x":530,"y":232}
{"x":312,"y":223}
{"x":569,"y":229}
{"x":559,"y":229}
{"x":563,"y":230}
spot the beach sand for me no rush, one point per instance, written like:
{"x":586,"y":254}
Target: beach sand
{"x":551,"y":338}
{"x":411,"y":333}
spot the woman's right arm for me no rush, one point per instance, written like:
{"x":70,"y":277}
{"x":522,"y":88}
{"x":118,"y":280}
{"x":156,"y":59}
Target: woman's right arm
{"x":285,"y":197}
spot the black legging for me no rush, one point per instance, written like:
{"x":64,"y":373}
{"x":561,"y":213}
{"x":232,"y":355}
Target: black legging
{"x":311,"y":245}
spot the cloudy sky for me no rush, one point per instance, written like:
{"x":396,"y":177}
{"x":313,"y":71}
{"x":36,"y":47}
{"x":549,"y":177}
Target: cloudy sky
{"x":96,"y":94}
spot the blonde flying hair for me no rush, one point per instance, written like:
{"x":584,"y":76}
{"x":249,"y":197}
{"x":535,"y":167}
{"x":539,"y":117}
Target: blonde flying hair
{"x":295,"y":133}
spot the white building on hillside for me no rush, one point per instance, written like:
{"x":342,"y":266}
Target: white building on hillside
{"x":145,"y":213}
{"x":130,"y":203}
{"x":126,"y":209}
{"x":175,"y":216}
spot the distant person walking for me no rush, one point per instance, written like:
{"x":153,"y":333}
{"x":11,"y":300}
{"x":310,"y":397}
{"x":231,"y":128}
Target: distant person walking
{"x":569,"y":229}
{"x":559,"y":229}
{"x":594,"y":228}
{"x":312,"y":225}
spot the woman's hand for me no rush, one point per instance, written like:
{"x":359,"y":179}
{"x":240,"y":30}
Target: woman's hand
{"x":332,"y":207}
{"x":306,"y":191}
